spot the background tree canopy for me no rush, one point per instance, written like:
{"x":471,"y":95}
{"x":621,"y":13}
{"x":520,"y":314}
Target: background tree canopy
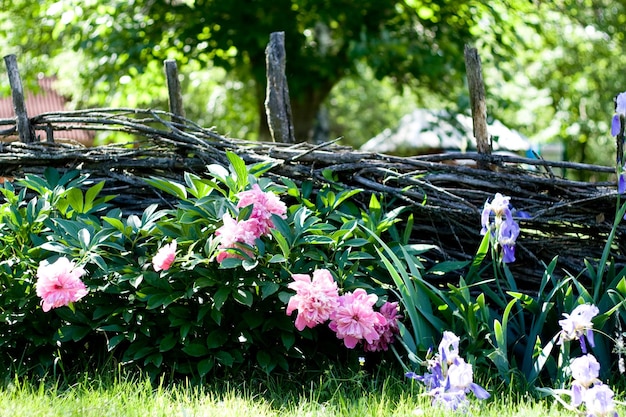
{"x":551,"y":68}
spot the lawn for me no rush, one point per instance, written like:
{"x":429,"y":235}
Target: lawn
{"x":332,"y":396}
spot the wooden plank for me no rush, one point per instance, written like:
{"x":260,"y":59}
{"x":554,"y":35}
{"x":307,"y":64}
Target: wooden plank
{"x":277,"y":104}
{"x":24,"y":130}
{"x":477,"y":100}
{"x":174,"y":90}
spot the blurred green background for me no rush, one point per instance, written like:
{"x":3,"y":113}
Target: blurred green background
{"x":551,"y":68}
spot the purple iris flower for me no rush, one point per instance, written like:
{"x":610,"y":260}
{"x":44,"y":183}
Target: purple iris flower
{"x":620,"y":114}
{"x":621,"y":182}
{"x":578,"y":325}
{"x":449,"y":378}
{"x":585,"y":372}
{"x":599,"y":401}
{"x":509,"y":231}
{"x":449,"y":347}
{"x":452,"y":400}
{"x":499,"y":207}
{"x":497,"y":219}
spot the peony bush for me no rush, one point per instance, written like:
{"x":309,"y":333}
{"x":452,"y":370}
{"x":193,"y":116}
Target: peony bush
{"x":197,"y":289}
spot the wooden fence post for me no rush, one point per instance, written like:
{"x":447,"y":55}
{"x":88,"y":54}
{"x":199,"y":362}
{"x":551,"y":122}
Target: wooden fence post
{"x":277,"y":104}
{"x":174,"y":91}
{"x":24,"y":130}
{"x":477,"y":100}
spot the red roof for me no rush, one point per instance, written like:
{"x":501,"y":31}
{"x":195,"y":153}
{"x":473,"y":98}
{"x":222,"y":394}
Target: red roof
{"x":45,"y":101}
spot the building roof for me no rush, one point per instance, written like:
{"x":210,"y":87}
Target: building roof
{"x":45,"y":101}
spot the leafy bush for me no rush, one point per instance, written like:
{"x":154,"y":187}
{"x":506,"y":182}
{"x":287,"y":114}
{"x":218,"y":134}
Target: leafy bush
{"x":198,"y":316}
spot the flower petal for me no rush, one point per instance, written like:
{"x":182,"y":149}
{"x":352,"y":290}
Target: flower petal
{"x":615,"y":125}
{"x":479,"y":392}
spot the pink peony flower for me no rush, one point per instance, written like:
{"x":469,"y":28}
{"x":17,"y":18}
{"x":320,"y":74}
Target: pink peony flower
{"x":59,"y":284}
{"x":264,"y":204}
{"x":355,"y":319}
{"x":234,"y":232}
{"x":315,"y":299}
{"x":387,"y":331}
{"x":165,"y":256}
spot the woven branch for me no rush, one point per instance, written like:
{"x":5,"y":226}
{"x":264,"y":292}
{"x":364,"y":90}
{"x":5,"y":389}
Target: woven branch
{"x":570,"y":219}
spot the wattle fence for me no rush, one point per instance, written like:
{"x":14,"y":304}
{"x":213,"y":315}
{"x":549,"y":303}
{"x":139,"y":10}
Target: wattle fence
{"x":569,"y":219}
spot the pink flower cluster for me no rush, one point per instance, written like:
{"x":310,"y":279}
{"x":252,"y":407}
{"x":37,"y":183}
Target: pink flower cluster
{"x":315,"y":299}
{"x":386,"y":331}
{"x":164,"y":258}
{"x":59,"y":283}
{"x":355,"y":318}
{"x":352,"y":316}
{"x":240,"y":234}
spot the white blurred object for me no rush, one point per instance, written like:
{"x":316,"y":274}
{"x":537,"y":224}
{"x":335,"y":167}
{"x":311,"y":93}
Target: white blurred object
{"x":425,"y":131}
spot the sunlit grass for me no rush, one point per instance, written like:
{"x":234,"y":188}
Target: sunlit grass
{"x":330,"y":396}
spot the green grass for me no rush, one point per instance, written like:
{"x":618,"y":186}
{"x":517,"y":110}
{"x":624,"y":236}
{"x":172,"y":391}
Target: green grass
{"x":330,"y":396}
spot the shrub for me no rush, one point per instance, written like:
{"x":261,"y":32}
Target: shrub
{"x":165,"y":293}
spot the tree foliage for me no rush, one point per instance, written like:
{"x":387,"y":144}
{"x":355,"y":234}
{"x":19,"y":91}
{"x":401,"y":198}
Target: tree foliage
{"x":551,"y":68}
{"x":411,"y":42}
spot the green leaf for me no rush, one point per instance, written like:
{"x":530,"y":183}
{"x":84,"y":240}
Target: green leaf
{"x":155,"y":359}
{"x":253,"y":319}
{"x":55,"y":247}
{"x":84,"y":237}
{"x":478,"y":259}
{"x":268,"y":288}
{"x":116,"y":223}
{"x":239,"y":166}
{"x":360,"y":256}
{"x":216,"y":339}
{"x":169,"y":187}
{"x":288,"y":339}
{"x":447,"y":266}
{"x":220,"y":297}
{"x":344,"y":195}
{"x":356,"y":242}
{"x":195,"y":349}
{"x":275,"y":259}
{"x":74,"y":332}
{"x":168,"y":342}
{"x":75,"y":199}
{"x":161,"y":300}
{"x":216,"y":315}
{"x":284,"y":246}
{"x":205,"y":366}
{"x":243,"y":297}
{"x":265,"y":361}
{"x":114,"y":341}
{"x":91,"y":194}
{"x":316,"y":240}
{"x":225,"y":358}
{"x":261,"y":168}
